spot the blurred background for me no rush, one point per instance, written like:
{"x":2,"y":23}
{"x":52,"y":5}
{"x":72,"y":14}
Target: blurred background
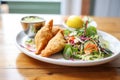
{"x":106,"y":8}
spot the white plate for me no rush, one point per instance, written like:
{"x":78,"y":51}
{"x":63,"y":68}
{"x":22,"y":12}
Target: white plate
{"x":59,"y":60}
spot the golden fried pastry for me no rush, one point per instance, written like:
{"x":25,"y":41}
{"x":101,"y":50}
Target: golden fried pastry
{"x":55,"y":29}
{"x":55,"y":45}
{"x":43,"y":36}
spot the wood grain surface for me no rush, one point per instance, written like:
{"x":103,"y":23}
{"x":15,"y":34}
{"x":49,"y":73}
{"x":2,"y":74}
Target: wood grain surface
{"x":15,"y":65}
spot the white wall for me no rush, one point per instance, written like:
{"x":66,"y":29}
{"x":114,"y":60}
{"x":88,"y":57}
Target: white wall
{"x":71,"y":7}
{"x":107,"y":8}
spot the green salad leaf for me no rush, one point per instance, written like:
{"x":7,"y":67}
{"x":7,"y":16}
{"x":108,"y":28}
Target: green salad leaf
{"x":67,"y":53}
{"x":91,"y":31}
{"x":66,"y":32}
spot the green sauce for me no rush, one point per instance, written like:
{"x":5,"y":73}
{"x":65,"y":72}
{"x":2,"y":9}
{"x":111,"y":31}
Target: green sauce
{"x":32,"y":19}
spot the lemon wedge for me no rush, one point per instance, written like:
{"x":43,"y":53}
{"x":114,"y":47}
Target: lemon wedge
{"x":74,"y":22}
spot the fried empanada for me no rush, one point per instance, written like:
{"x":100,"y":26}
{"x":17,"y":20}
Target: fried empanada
{"x":43,"y":36}
{"x":55,"y":45}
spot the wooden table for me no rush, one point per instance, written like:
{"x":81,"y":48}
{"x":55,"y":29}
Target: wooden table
{"x":15,"y":65}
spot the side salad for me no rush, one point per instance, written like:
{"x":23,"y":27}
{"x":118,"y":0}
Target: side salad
{"x":85,"y":43}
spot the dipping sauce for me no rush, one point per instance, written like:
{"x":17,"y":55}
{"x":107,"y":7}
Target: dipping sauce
{"x":31,"y":24}
{"x":29,"y":19}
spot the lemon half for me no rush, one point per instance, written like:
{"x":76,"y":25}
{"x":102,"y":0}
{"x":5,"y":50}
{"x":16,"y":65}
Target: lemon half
{"x":74,"y":22}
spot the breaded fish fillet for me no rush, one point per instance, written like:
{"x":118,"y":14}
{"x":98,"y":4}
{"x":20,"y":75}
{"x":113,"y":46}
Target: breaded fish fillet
{"x":55,"y":45}
{"x":43,"y":36}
